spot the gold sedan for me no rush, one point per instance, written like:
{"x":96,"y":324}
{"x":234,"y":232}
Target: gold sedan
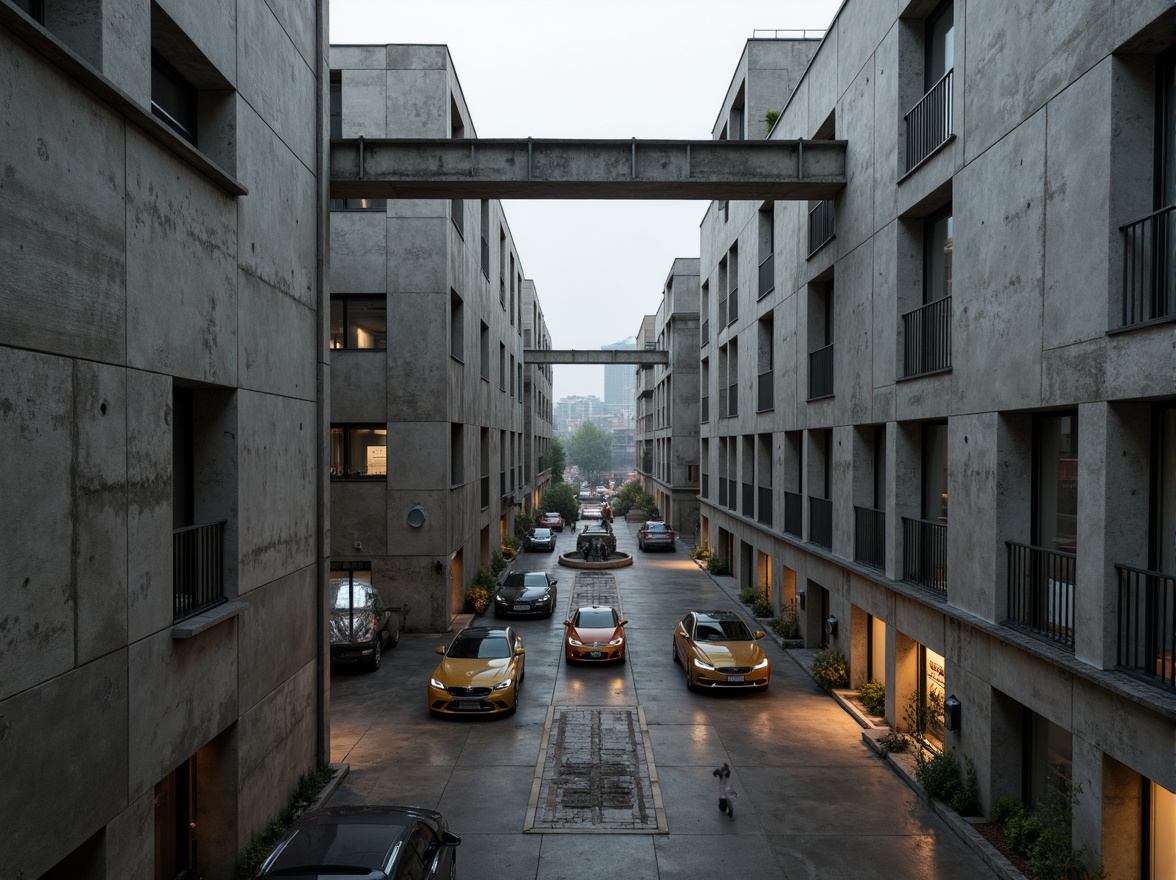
{"x":480,"y":674}
{"x":717,"y":650}
{"x":596,"y":634}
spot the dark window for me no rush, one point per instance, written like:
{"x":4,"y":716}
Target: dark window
{"x":173,"y":98}
{"x":359,"y":322}
{"x":940,"y":44}
{"x":937,"y":247}
{"x":934,"y":502}
{"x":34,"y":9}
{"x":456,"y":326}
{"x":336,"y":105}
{"x":359,"y":451}
{"x":1057,"y":482}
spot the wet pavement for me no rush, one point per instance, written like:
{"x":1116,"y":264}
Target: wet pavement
{"x":607,"y":769}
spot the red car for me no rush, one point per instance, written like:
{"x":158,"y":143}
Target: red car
{"x":551,"y":520}
{"x":655,"y":534}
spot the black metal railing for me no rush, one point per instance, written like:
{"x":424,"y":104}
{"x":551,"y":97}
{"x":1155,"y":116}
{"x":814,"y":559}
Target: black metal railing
{"x":1147,"y":625}
{"x":704,"y":334}
{"x":748,"y":500}
{"x":722,"y":491}
{"x":926,"y":338}
{"x":198,"y":569}
{"x":733,"y":306}
{"x":869,"y":537}
{"x":820,"y":225}
{"x":705,"y":486}
{"x":765,"y":392}
{"x":1041,"y":591}
{"x":929,"y":123}
{"x":821,"y":522}
{"x":764,"y":510}
{"x":821,"y":373}
{"x":732,"y":400}
{"x":794,"y":514}
{"x":485,"y":491}
{"x":1149,"y":258}
{"x":924,"y":553}
{"x":767,"y":275}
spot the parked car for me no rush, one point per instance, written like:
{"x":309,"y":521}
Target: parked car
{"x":361,"y":625}
{"x":365,"y":842}
{"x":539,"y":539}
{"x":718,"y":650}
{"x":552,"y":520}
{"x":596,"y":633}
{"x":654,"y":534}
{"x":596,"y":533}
{"x":481,"y":672}
{"x":525,"y":593}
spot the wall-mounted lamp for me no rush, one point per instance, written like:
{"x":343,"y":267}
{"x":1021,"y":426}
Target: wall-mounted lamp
{"x":951,"y":713}
{"x":800,"y":600}
{"x":358,"y":545}
{"x":437,"y":566}
{"x":831,"y":626}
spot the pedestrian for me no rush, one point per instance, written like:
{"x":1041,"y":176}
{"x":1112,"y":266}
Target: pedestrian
{"x":727,"y":794}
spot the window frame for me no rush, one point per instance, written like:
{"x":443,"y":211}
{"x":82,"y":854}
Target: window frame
{"x":344,"y":299}
{"x":345,"y":466}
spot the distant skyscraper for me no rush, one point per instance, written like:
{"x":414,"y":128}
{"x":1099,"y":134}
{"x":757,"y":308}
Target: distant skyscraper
{"x":619,"y":378}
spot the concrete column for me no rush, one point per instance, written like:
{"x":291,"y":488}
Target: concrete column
{"x":1004,"y":758}
{"x":1087,"y":769}
{"x":972,"y":554}
{"x":902,"y":675}
{"x":859,"y":646}
{"x":842,"y":489}
{"x":1014,"y":491}
{"x":1122,"y":820}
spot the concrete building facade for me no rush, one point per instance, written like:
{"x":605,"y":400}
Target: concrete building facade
{"x":668,"y":441}
{"x":537,"y":404}
{"x":162,"y":347}
{"x":980,"y":323}
{"x":428,"y":415}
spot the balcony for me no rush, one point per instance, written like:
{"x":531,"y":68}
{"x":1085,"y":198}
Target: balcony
{"x":705,"y":417}
{"x":764,"y":392}
{"x":869,"y":537}
{"x":767,"y":276}
{"x":1147,"y":625}
{"x":821,"y":373}
{"x":926,"y":337}
{"x":764,"y":516}
{"x":1041,"y":591}
{"x":820,"y":225}
{"x":198,"y":569}
{"x":748,"y":500}
{"x":924,"y":553}
{"x":821,"y":522}
{"x":794,"y":514}
{"x":1149,"y":294}
{"x":929,"y":123}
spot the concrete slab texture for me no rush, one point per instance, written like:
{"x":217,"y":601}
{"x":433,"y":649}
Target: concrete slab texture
{"x":813,"y":801}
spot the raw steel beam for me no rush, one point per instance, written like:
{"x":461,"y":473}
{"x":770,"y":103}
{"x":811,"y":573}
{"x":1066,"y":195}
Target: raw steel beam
{"x":645,"y":357}
{"x":507,"y":168}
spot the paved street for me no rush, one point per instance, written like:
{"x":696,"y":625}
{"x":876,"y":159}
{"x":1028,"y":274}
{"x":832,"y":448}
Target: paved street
{"x":813,"y":801}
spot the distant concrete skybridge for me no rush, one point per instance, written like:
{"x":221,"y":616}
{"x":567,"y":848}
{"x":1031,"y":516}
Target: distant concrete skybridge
{"x":513,"y":168}
{"x":646,"y":357}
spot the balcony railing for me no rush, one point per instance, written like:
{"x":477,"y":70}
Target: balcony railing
{"x":924,"y":553}
{"x":1041,"y":591}
{"x":869,"y":537}
{"x":485,"y":491}
{"x":1149,"y":259}
{"x":929,"y":124}
{"x":821,"y":522}
{"x":764,"y":511}
{"x":926,"y":337}
{"x":748,"y":500}
{"x":705,"y":409}
{"x":794,"y":514}
{"x":767,"y":275}
{"x":765,"y":392}
{"x":820,"y":225}
{"x":732,"y":400}
{"x":704,"y":337}
{"x":1147,"y":625}
{"x":733,"y":306}
{"x":722,"y":491}
{"x":821,"y":373}
{"x":198,"y":569}
{"x":705,"y":486}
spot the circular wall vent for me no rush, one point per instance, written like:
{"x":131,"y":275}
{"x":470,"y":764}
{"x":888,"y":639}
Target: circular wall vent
{"x":417,"y":516}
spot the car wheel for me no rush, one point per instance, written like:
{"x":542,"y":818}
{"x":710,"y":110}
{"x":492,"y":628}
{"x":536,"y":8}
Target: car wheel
{"x":377,"y":654}
{"x":394,"y":637}
{"x":689,"y":680}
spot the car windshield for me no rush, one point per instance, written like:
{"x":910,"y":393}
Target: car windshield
{"x":710,"y":630}
{"x":360,"y":845}
{"x":656,"y":527}
{"x":542,"y":533}
{"x":526,"y":579}
{"x":595,"y":618}
{"x":360,"y":598}
{"x":479,"y":648}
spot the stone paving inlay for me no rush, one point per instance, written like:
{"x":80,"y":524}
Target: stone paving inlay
{"x":596,"y":774}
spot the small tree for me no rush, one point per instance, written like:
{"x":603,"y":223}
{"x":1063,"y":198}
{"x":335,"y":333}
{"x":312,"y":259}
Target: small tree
{"x":591,"y":449}
{"x":555,"y":458}
{"x":561,"y":498}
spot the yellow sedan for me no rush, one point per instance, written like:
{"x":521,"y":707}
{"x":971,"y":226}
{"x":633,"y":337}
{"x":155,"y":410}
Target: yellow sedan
{"x":717,"y":650}
{"x":596,"y":634}
{"x":480,"y":674}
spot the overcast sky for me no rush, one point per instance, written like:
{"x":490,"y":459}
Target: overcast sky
{"x":599,"y":69}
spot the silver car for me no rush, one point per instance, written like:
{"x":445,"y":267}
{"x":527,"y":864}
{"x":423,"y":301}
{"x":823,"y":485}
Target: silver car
{"x":361,"y":624}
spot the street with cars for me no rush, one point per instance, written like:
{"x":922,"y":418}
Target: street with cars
{"x":605,"y":766}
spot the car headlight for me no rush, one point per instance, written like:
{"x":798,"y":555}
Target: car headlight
{"x":763,"y":664}
{"x":702,"y":665}
{"x":498,"y":600}
{"x":438,"y":685}
{"x":615,"y":642}
{"x":503,"y":684}
{"x":576,"y":642}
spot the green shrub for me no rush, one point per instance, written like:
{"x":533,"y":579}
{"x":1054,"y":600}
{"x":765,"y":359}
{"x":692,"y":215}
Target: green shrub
{"x":830,"y":669}
{"x":762,"y":607}
{"x":510,"y":546}
{"x":717,"y":566}
{"x":770,"y":118}
{"x":497,"y":564}
{"x":939,"y":775}
{"x":478,"y":598}
{"x":1021,"y":831}
{"x":700,"y":553}
{"x":485,"y":578}
{"x":873,"y":697}
{"x":309,"y":785}
{"x":787,"y":624}
{"x":966,"y":800}
{"x":1004,"y":808}
{"x":524,"y":522}
{"x":894,"y":741}
{"x":748,"y":595}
